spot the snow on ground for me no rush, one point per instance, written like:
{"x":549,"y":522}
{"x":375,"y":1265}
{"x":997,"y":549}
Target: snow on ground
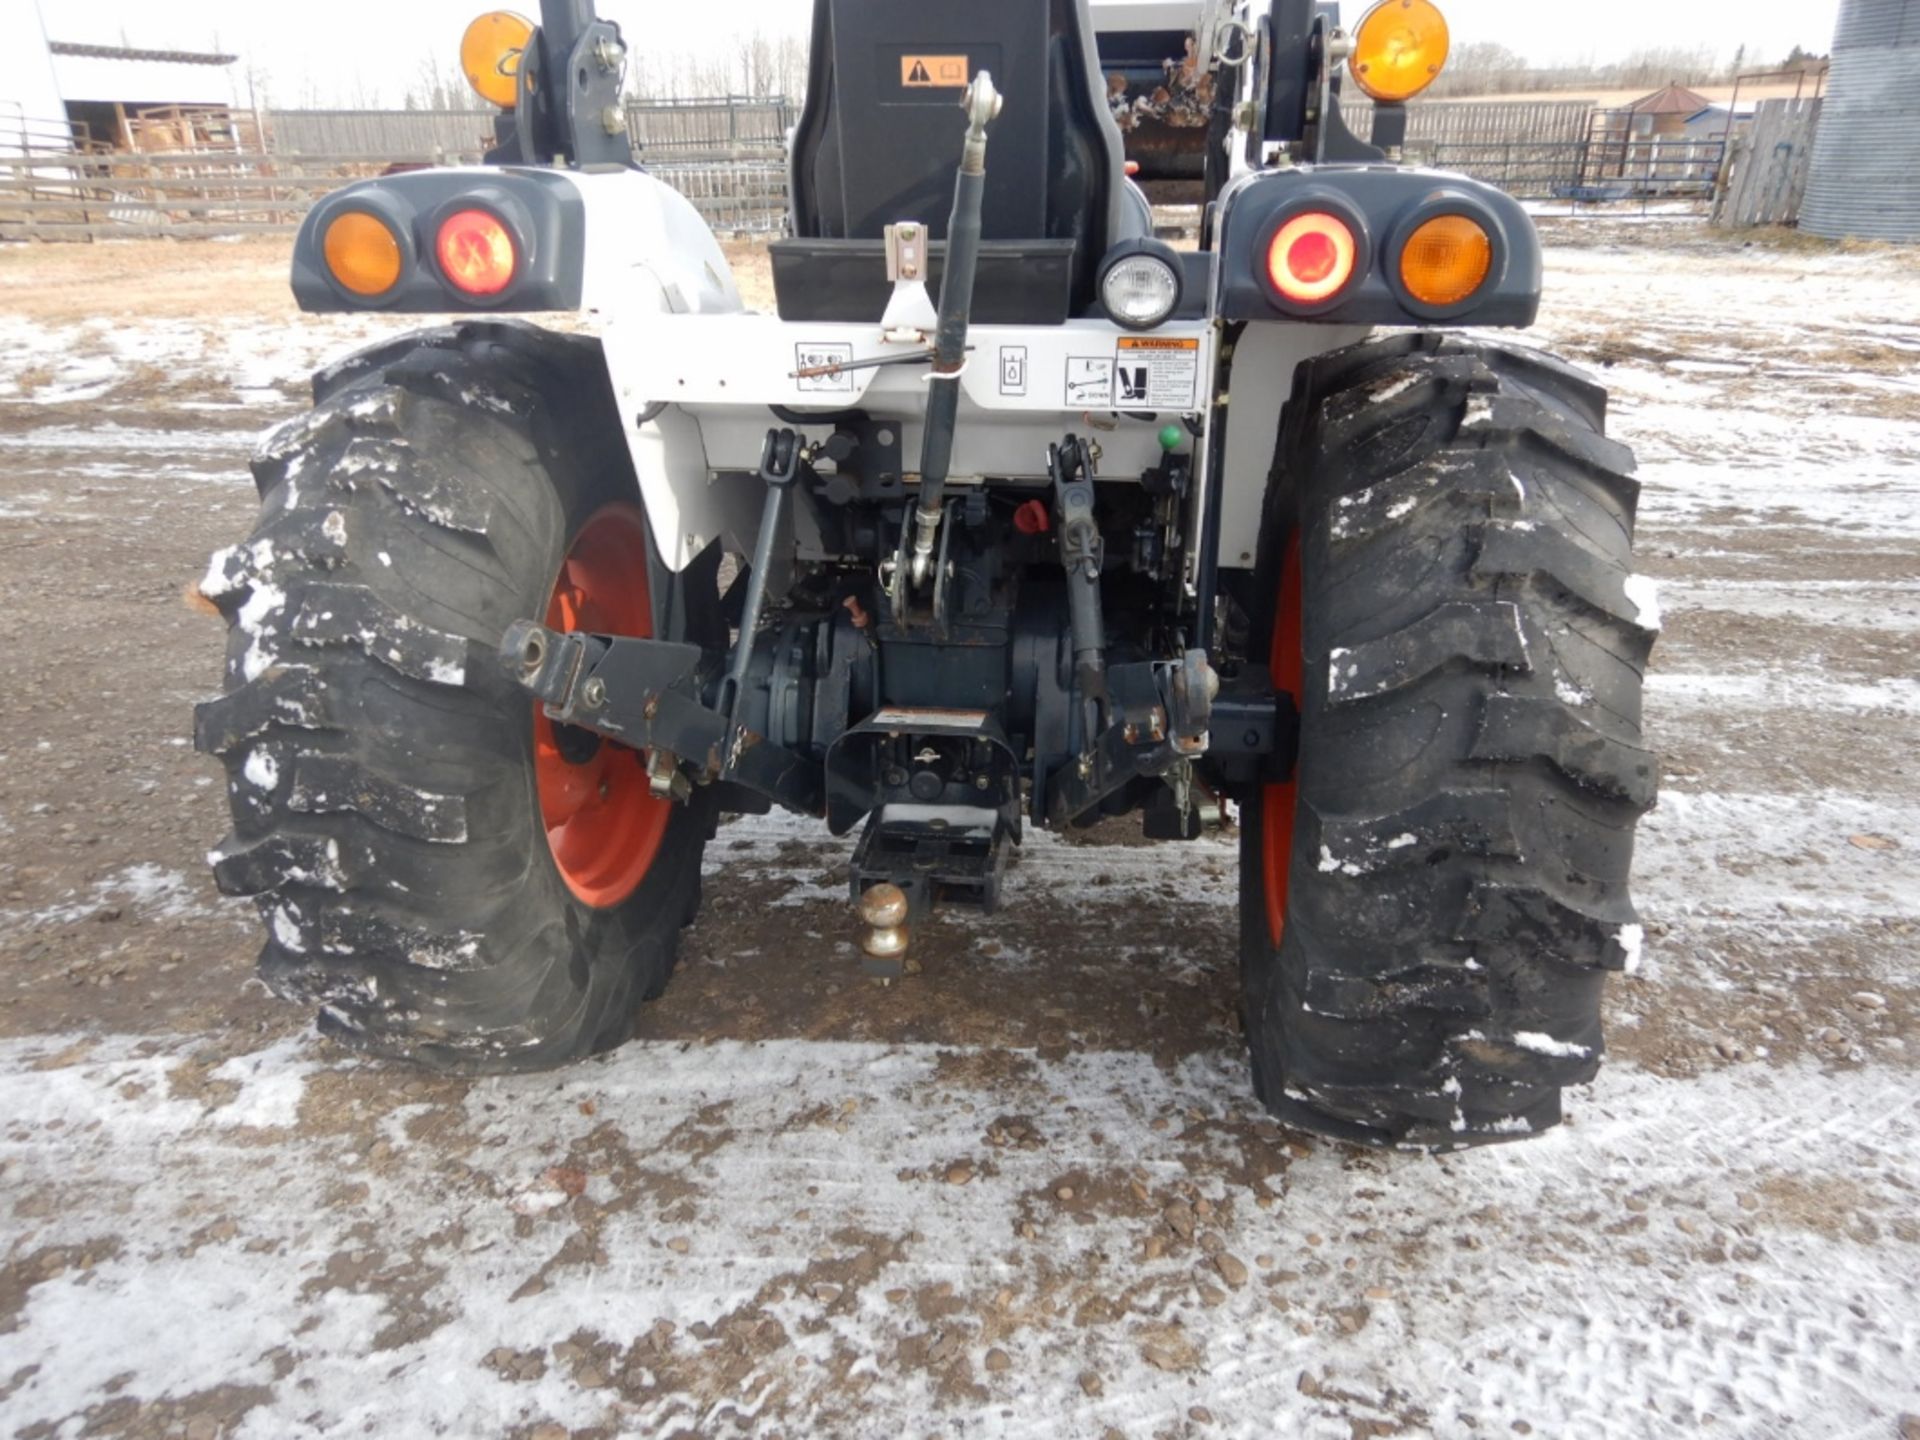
{"x":1768,"y":689}
{"x":245,"y":364}
{"x":238,"y":1229}
{"x":1701,"y":852}
{"x":1853,"y":604}
{"x":1717,"y":1253}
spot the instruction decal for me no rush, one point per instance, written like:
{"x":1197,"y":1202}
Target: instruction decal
{"x":813,"y":357}
{"x":1156,"y":373}
{"x":1090,"y":381}
{"x":1013,"y":369}
{"x":934,"y":72}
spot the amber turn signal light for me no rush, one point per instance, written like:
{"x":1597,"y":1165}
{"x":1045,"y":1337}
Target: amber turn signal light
{"x":1311,"y":258}
{"x":1399,"y":49}
{"x":490,"y":55}
{"x":362,"y":254}
{"x":476,"y":252}
{"x":1446,"y":260}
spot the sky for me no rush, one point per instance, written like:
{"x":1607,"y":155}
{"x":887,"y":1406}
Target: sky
{"x":370,"y":52}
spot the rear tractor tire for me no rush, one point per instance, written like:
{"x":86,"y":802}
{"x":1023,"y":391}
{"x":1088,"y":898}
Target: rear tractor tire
{"x":1429,"y":910}
{"x":447,"y":876}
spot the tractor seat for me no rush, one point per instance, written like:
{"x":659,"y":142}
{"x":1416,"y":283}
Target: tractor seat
{"x":879,"y":140}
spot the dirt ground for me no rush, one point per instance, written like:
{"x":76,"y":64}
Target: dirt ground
{"x":1023,"y":1191}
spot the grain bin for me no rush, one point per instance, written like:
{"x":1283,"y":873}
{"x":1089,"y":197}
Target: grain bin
{"x":1865,"y":177}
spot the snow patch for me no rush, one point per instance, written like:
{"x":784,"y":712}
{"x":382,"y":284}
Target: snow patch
{"x":1644,"y":591}
{"x":1394,"y":388}
{"x":218,"y":580}
{"x":1780,"y":690}
{"x":272,"y":1082}
{"x":1329,"y":865}
{"x":261,"y":769}
{"x":163,"y":1164}
{"x":267,"y":600}
{"x":1543,"y":1044}
{"x":286,"y":930}
{"x":1632,"y":940}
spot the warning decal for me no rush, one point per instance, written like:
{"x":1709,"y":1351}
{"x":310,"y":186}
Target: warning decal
{"x":1155,"y":373}
{"x":821,"y":360}
{"x":933,"y":72}
{"x":1089,"y":381}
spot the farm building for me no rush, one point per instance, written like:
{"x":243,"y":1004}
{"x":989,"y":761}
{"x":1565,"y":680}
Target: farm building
{"x":1666,"y":112}
{"x":1716,"y":122}
{"x":118,"y":97}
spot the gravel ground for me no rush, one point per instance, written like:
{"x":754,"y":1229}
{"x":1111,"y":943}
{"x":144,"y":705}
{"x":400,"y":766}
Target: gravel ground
{"x":1023,"y":1191}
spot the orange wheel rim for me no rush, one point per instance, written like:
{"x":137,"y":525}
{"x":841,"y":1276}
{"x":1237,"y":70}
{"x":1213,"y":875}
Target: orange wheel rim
{"x":1278,"y":803}
{"x":604,"y":824}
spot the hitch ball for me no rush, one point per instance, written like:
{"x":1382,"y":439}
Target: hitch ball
{"x":883,"y":908}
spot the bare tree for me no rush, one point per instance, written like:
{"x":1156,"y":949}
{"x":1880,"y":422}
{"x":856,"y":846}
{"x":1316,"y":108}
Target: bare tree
{"x":1483,"y":67}
{"x":755,"y":64}
{"x":437,"y":87}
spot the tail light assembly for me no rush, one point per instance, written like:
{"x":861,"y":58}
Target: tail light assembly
{"x":442,"y":241}
{"x":478,"y":251}
{"x":1365,"y":252}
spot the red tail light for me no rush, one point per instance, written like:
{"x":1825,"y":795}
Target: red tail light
{"x":476,"y":252}
{"x":1311,"y":258}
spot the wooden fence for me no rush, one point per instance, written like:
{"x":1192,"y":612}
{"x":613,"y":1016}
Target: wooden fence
{"x":47,"y":195}
{"x":454,"y":135}
{"x":1482,"y":122}
{"x":65,"y":195}
{"x":1766,"y":171}
{"x":721,"y":128}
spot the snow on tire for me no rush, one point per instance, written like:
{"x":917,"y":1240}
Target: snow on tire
{"x":387,"y":818}
{"x":1429,"y":911}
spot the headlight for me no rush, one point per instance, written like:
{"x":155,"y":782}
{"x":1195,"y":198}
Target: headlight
{"x":1140,"y":285}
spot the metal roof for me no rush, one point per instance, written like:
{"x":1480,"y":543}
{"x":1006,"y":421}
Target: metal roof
{"x":1674,"y":100}
{"x":123,"y":52}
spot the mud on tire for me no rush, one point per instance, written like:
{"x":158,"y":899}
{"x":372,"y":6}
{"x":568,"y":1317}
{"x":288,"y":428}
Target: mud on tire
{"x":1448,"y":879}
{"x":386,"y":817}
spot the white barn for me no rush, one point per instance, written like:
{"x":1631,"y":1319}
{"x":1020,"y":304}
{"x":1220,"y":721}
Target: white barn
{"x":51,"y":86}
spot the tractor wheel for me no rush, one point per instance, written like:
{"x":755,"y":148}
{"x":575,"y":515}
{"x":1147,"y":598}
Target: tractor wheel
{"x":1429,"y":910}
{"x":449,"y":877}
